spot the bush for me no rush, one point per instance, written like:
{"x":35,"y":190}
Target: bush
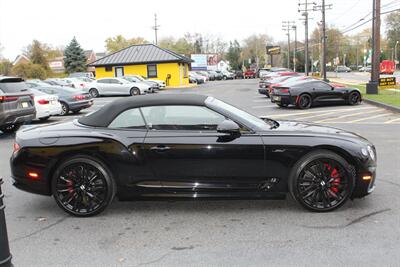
{"x":29,"y":71}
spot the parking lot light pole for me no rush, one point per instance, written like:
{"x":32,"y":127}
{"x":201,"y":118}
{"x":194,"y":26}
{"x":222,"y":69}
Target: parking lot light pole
{"x":294,"y":27}
{"x":395,"y":54}
{"x":5,"y":256}
{"x":372,"y":85}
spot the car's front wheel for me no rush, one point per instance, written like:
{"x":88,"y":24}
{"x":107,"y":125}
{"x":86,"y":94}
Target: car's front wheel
{"x":322,"y":181}
{"x":354,"y":98}
{"x":94,"y":92}
{"x":83,"y":186}
{"x":135,"y":91}
{"x":10,"y":128}
{"x":64,"y":109}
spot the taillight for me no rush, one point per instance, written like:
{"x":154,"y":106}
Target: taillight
{"x":79,"y":97}
{"x":16,"y":147}
{"x":284,"y":90}
{"x":43,"y":102}
{"x":82,"y":85}
{"x":8,"y":98}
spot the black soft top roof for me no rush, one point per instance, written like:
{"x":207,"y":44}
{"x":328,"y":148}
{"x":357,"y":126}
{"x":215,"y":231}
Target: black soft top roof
{"x":104,"y":116}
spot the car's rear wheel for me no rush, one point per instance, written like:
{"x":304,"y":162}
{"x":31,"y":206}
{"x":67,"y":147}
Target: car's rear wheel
{"x":83,"y":186}
{"x":135,"y":91}
{"x":64,"y":109}
{"x":304,"y":101}
{"x":10,"y":128}
{"x":322,"y":181}
{"x":94,"y":92}
{"x":354,"y":98}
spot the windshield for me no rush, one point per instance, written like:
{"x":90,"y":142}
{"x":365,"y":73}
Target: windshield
{"x":250,"y":119}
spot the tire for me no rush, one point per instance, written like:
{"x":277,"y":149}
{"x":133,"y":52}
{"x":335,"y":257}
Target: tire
{"x":10,"y":128}
{"x":94,"y":92}
{"x":45,"y":118}
{"x":304,"y":102}
{"x":83,"y":186}
{"x":64,"y":109}
{"x":354,"y":98}
{"x":135,"y":91}
{"x":322,"y":181}
{"x":225,"y":77}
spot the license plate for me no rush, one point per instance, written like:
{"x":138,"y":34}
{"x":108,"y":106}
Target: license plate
{"x":277,"y":98}
{"x":25,"y":104}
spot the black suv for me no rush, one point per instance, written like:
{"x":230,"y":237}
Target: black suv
{"x":16,"y":104}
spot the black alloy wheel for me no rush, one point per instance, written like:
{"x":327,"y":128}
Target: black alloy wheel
{"x":10,"y":128}
{"x":64,"y":109}
{"x":94,"y":92}
{"x":304,"y":101}
{"x":135,"y":91}
{"x":322,"y":181}
{"x":83,"y":186}
{"x":354,"y":98}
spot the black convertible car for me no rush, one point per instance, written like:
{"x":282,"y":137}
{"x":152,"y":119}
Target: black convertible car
{"x":189,"y":146}
{"x":307,"y":93}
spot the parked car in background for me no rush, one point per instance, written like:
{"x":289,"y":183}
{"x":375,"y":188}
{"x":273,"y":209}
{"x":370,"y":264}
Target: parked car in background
{"x":281,"y":80}
{"x":161,"y":84}
{"x":204,"y":74}
{"x":196,"y":77}
{"x":77,"y":83}
{"x":387,"y":67}
{"x":365,"y":69}
{"x":238,"y":74}
{"x":250,"y":74}
{"x":218,"y":76}
{"x":81,"y":74}
{"x":272,"y":75}
{"x":46,"y":105}
{"x":227,"y":75}
{"x":134,"y":79}
{"x":306,"y":93}
{"x":71,"y":100}
{"x":35,"y":83}
{"x":56,"y":82}
{"x":117,"y":86}
{"x":342,"y":69}
{"x":265,"y":84}
{"x":211,"y":75}
{"x":16,"y":104}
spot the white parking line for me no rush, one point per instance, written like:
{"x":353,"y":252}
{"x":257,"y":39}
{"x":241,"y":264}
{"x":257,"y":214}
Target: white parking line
{"x":391,"y":121}
{"x":367,"y":118}
{"x":269,"y":106}
{"x":349,"y":115}
{"x":316,"y":112}
{"x":260,"y":101}
{"x":318,"y":115}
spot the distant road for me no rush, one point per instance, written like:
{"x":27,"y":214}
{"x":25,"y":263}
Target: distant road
{"x":354,"y":77}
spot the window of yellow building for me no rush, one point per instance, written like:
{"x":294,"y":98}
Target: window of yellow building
{"x":152,"y":71}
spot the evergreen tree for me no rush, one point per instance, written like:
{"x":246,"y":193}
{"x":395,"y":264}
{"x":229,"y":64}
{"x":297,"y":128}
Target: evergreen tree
{"x":75,"y":60}
{"x":233,"y":55}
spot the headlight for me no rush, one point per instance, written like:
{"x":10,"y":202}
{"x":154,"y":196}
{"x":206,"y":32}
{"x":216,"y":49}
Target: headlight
{"x":368,"y":152}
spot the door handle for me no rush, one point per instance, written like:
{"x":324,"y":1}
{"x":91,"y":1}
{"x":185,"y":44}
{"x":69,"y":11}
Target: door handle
{"x":160,"y":148}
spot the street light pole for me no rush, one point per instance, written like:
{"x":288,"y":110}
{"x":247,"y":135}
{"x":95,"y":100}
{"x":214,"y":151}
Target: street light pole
{"x":395,"y":54}
{"x":372,"y":85}
{"x":294,"y":27}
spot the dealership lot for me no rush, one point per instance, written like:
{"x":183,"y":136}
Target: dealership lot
{"x":210,"y":233}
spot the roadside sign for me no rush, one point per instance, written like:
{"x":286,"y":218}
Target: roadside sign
{"x":273,"y":50}
{"x":387,"y":82}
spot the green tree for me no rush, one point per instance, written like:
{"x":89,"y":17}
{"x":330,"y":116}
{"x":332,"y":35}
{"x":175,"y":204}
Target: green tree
{"x":29,"y":71}
{"x":75,"y":59}
{"x":5,"y":67}
{"x":37,"y":54}
{"x":233,"y":55}
{"x":119,"y":42}
{"x":254,"y":48}
{"x":393,"y":31}
{"x":180,"y":46}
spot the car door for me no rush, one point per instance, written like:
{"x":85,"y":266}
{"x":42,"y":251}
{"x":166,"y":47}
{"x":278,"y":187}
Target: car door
{"x":120,"y":87}
{"x":328,"y":92}
{"x":103,"y":85}
{"x":187,"y":154}
{"x":321,"y":91}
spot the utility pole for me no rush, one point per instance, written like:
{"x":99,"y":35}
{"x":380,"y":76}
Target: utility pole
{"x":294,"y":27}
{"x":286,"y":26}
{"x":305,"y":14}
{"x":372,"y":85}
{"x":155,"y":28}
{"x":395,"y":54}
{"x":323,"y":8}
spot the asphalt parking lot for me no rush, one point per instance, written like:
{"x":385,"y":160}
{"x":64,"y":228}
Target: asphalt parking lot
{"x":364,"y":232}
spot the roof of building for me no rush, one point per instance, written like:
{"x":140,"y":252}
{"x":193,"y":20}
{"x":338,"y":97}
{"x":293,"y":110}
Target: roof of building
{"x":104,"y":116}
{"x":140,"y":54}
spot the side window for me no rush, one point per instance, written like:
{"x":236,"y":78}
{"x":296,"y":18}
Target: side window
{"x":103,"y":81}
{"x":130,"y":118}
{"x":152,"y":71}
{"x":108,"y":68}
{"x":195,"y":118}
{"x":114,"y":81}
{"x":322,"y":86}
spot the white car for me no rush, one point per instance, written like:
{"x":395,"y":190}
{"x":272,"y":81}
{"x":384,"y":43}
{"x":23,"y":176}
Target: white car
{"x":46,"y":105}
{"x":117,"y":86}
{"x":77,"y":83}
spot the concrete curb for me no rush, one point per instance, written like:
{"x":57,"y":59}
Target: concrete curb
{"x":382,"y":105}
{"x":180,"y":87}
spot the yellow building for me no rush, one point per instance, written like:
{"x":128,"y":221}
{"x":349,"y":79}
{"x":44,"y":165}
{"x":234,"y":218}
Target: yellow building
{"x":147,"y":60}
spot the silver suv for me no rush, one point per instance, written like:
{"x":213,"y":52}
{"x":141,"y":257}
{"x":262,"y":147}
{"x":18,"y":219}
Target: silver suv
{"x":16,"y":104}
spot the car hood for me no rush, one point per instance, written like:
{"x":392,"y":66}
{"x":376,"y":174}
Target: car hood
{"x":307,"y":128}
{"x":157,"y":81}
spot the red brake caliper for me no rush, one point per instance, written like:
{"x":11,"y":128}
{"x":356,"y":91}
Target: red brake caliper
{"x":336,"y":182}
{"x":70,"y":185}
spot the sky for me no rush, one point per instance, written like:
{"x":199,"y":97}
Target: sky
{"x":56,"y":22}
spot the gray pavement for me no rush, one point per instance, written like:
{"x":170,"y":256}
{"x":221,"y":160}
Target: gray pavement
{"x":365,"y":232}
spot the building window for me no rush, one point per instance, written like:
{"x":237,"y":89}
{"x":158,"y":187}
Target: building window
{"x":152,"y":71}
{"x":108,"y":68}
{"x":185,"y":71}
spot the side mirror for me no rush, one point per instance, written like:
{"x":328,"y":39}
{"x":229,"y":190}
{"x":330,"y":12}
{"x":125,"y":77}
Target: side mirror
{"x":229,"y":127}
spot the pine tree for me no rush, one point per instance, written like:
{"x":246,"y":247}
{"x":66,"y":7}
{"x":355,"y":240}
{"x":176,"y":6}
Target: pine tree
{"x":75,"y":60}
